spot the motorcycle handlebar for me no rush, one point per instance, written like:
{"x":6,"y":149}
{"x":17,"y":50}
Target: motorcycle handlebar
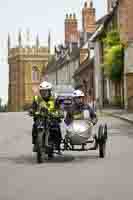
{"x":46,"y":113}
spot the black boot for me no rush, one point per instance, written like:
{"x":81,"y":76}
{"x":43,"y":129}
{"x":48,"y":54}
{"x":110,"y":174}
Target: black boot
{"x":34,"y":135}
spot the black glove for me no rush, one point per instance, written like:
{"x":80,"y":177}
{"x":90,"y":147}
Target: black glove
{"x":94,"y":121}
{"x":44,"y":110}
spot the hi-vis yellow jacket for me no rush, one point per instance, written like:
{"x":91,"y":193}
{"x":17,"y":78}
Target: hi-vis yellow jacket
{"x":39,"y":103}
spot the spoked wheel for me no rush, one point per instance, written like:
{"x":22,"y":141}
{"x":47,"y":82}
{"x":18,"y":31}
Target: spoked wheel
{"x":65,"y":145}
{"x":50,"y":153}
{"x":102,"y":137}
{"x":39,"y":147}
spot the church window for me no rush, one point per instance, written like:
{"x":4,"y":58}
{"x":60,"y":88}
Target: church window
{"x":35,"y":74}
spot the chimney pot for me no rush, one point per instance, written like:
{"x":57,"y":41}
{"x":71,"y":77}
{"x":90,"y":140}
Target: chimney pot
{"x":85,"y":5}
{"x":66,"y":16}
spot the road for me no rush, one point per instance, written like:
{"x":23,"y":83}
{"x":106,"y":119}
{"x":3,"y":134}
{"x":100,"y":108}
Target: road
{"x":73,"y":176}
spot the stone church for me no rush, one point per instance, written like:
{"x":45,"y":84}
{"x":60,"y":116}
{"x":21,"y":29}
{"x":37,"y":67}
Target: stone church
{"x":25,"y":71}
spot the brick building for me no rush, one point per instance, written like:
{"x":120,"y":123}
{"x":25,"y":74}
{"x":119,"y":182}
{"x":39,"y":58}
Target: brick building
{"x":124,"y":9}
{"x":119,"y":17}
{"x":105,"y":88}
{"x":125,"y":22}
{"x":84,"y":75}
{"x":25,"y":71}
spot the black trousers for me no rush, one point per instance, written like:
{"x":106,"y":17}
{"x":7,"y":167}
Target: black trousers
{"x":34,"y":131}
{"x":55,"y":134}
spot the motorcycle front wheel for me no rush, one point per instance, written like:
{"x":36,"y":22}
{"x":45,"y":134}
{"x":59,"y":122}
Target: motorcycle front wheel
{"x":39,"y":144}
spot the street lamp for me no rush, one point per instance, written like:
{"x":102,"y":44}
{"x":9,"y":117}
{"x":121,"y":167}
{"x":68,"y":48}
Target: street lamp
{"x":85,"y":87}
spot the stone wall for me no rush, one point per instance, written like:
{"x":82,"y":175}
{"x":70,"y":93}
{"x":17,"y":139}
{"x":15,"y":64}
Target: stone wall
{"x":21,"y":63}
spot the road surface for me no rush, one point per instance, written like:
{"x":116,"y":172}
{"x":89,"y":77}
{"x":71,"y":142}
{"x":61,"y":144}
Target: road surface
{"x":73,"y":176}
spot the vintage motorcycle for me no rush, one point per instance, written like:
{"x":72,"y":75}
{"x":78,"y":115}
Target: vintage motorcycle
{"x":48,"y":138}
{"x":77,"y":138}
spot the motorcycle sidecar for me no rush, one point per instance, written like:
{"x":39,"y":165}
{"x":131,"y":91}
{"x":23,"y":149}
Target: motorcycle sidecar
{"x":79,"y":136}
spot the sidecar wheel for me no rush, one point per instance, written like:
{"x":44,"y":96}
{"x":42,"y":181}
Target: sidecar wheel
{"x":100,"y":133}
{"x":101,"y":142}
{"x":102,"y":149}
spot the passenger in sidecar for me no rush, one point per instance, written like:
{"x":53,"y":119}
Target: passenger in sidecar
{"x":79,"y":110}
{"x":80,"y":120}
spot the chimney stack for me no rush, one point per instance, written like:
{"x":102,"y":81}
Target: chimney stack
{"x":71,"y":29}
{"x":88,"y":17}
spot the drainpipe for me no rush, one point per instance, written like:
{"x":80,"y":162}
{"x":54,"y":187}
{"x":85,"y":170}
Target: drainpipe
{"x":124,"y":78}
{"x":123,"y":74}
{"x":125,"y":83}
{"x":93,"y":90}
{"x":103,"y":87}
{"x":56,"y":77}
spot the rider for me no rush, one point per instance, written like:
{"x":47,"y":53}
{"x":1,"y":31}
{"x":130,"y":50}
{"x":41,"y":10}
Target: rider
{"x":47,"y":101}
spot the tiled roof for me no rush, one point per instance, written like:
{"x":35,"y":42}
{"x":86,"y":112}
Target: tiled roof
{"x":102,"y":23}
{"x":54,"y":65}
{"x":102,"y":20}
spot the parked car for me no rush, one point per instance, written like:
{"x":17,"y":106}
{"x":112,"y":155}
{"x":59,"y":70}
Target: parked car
{"x":63,"y":94}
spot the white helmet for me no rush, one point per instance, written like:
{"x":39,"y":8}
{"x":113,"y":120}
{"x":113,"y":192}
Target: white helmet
{"x":78,"y":93}
{"x":45,"y":86}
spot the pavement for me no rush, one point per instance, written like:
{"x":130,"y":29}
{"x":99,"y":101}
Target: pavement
{"x":118,"y":113}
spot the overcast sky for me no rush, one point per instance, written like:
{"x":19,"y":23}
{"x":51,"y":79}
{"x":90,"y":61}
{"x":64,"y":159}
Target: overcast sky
{"x":39,"y":17}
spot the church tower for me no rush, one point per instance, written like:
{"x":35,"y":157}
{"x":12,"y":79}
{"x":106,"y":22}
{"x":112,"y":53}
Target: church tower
{"x":88,"y":17}
{"x":25,"y":71}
